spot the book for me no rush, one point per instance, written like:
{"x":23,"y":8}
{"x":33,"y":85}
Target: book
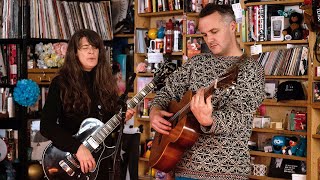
{"x":194,"y":46}
{"x":121,"y":73}
{"x":271,"y":88}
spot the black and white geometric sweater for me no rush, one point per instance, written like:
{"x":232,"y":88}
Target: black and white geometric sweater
{"x":221,"y":151}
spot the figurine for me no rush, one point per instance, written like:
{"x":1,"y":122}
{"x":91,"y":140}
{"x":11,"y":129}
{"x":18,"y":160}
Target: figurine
{"x":295,"y":30}
{"x":291,"y":149}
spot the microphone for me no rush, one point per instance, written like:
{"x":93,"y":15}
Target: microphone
{"x":130,"y":82}
{"x":123,"y":98}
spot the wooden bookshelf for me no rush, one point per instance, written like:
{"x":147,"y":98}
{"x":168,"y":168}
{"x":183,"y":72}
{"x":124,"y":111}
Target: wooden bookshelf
{"x":265,"y":178}
{"x":293,"y":103}
{"x":123,"y":35}
{"x":144,"y":159}
{"x":287,"y":77}
{"x":264,"y":154}
{"x":145,"y":74}
{"x":285,"y":2}
{"x":143,"y":119}
{"x":316,"y":136}
{"x":277,"y":131}
{"x":276,"y":42}
{"x":164,"y":13}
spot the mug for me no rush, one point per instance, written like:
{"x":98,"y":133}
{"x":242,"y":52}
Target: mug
{"x":259,"y":169}
{"x":156,"y":45}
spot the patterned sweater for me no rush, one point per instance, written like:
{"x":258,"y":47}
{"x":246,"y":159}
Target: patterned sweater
{"x":221,"y":152}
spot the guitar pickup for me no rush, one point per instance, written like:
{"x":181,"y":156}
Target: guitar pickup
{"x":93,"y":143}
{"x":66,"y":168}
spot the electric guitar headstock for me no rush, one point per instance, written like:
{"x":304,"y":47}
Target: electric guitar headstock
{"x":164,"y":70}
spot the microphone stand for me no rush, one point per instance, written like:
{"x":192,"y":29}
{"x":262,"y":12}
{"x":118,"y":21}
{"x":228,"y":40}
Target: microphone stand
{"x":116,"y":156}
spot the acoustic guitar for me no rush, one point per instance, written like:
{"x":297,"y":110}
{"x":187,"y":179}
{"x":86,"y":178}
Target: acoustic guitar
{"x":167,"y":150}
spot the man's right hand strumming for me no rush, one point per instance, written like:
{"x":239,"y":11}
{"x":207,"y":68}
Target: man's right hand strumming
{"x":158,"y":122}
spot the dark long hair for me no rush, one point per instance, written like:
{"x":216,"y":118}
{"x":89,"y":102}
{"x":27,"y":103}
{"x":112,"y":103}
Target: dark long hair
{"x":74,"y":94}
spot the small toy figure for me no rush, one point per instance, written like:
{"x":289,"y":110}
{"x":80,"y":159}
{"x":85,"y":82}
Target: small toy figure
{"x":277,"y":143}
{"x":142,"y":67}
{"x":291,"y":149}
{"x":295,"y":30}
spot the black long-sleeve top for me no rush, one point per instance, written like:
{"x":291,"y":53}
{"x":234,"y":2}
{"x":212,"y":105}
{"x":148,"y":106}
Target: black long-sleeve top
{"x":59,"y":126}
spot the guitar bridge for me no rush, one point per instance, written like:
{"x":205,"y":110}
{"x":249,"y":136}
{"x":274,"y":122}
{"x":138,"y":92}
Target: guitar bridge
{"x":73,"y":160}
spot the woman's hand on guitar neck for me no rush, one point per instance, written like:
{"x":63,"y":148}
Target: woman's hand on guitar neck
{"x":130,"y":113}
{"x":202,"y":108}
{"x":158,"y":123}
{"x":84,"y":156}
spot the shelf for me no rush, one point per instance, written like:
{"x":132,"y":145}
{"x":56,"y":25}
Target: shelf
{"x":172,"y":54}
{"x":177,"y":53}
{"x":143,"y":119}
{"x":259,"y":153}
{"x":276,"y":131}
{"x":163,"y":13}
{"x":145,"y":74}
{"x":130,"y":94}
{"x":144,"y":159}
{"x":293,"y":103}
{"x":265,"y":178}
{"x":316,"y":105}
{"x":317,"y":136}
{"x":146,"y":177}
{"x":7,"y":85}
{"x":123,"y":35}
{"x":192,"y":14}
{"x":277,"y":42}
{"x":201,"y":35}
{"x":9,"y":123}
{"x":50,"y":70}
{"x":11,"y":41}
{"x":150,"y":95}
{"x":316,"y":78}
{"x":194,"y":35}
{"x":286,"y":77}
{"x":286,"y":2}
{"x":45,"y":40}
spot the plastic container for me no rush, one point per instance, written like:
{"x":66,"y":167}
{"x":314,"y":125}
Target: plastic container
{"x":299,"y":177}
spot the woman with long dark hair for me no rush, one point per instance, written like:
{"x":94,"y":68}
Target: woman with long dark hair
{"x":83,"y":88}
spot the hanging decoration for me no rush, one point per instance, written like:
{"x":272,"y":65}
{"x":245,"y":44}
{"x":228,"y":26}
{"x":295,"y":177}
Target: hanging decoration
{"x":26,"y":92}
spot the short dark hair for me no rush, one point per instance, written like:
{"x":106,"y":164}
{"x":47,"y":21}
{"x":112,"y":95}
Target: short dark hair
{"x":223,"y":10}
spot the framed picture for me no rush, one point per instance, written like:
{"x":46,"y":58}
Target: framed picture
{"x":277,"y":25}
{"x":271,"y":88}
{"x":194,"y":46}
{"x":316,"y":92}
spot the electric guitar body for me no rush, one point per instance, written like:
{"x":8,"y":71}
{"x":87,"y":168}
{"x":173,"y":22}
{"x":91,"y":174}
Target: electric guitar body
{"x":56,"y":168}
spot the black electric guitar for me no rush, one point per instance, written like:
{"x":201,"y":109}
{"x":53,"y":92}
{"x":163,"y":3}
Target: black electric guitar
{"x":58,"y":164}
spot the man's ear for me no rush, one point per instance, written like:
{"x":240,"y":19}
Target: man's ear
{"x":233,"y":26}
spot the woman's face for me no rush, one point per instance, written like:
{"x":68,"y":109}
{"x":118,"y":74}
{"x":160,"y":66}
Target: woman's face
{"x":88,"y":55}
